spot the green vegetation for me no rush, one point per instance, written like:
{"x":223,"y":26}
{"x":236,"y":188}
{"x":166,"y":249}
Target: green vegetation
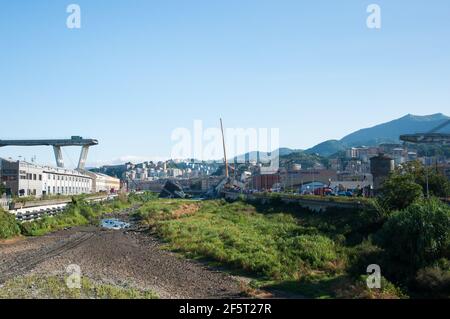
{"x":416,"y":237}
{"x":8,"y":225}
{"x":438,"y":184}
{"x":79,"y":212}
{"x":54,"y":287}
{"x":400,"y":191}
{"x":408,"y":183}
{"x":274,"y":246}
{"x":283,"y":247}
{"x":321,"y":255}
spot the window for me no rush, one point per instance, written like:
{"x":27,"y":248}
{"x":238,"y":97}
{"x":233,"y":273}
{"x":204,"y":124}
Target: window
{"x":40,"y":177}
{"x":34,"y":177}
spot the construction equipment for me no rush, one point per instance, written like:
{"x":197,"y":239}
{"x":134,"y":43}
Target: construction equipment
{"x":224,"y":150}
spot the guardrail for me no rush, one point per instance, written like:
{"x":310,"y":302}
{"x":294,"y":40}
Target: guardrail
{"x":315,"y":204}
{"x":48,"y":209}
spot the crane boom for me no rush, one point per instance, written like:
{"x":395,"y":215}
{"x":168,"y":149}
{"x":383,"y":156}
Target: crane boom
{"x":224,"y":150}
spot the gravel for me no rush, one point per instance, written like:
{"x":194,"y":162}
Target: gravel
{"x":126,"y":258}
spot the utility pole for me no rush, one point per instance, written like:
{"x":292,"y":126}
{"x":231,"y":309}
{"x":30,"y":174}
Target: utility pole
{"x":426,"y":172}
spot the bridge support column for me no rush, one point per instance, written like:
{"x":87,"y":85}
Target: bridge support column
{"x":58,"y":156}
{"x":83,"y":157}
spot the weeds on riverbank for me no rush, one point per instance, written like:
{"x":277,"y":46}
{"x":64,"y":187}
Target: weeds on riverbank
{"x":282,"y":247}
{"x":8,"y":225}
{"x":79,"y":212}
{"x":55,"y":287}
{"x":272,"y":246}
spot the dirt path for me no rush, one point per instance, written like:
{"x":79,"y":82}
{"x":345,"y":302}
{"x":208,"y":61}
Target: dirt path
{"x":124,"y":258}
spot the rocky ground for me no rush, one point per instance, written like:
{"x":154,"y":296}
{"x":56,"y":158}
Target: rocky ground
{"x":126,"y":258}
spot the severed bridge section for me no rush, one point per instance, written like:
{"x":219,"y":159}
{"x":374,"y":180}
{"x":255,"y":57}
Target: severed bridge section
{"x":431,"y":137}
{"x":57,"y":145}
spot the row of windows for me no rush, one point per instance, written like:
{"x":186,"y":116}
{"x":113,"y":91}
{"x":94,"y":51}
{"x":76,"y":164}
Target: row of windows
{"x":67,"y":178}
{"x":66,"y":190}
{"x":31,"y":177}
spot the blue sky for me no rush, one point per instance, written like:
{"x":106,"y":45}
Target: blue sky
{"x":138,"y":69}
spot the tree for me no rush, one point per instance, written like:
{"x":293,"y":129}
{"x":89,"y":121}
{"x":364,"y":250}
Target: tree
{"x":2,"y":189}
{"x":438,"y":184}
{"x":417,"y":236}
{"x":399,"y":191}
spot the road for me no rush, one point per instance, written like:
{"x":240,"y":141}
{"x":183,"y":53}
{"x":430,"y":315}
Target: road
{"x":124,"y":258}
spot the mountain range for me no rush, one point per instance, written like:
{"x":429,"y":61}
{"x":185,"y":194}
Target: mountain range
{"x":383,"y":133}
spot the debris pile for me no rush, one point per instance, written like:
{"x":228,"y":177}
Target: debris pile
{"x":172,"y":190}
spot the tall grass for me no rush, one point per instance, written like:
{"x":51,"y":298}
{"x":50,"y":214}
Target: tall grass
{"x":8,"y":225}
{"x":274,"y":246}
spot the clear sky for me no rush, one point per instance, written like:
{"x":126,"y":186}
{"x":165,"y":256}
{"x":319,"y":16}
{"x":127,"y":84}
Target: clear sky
{"x":138,"y":69}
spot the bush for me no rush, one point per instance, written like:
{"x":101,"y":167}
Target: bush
{"x":315,"y":250}
{"x":8,"y":225}
{"x":399,"y":191}
{"x":363,"y":255}
{"x":418,"y":236}
{"x":434,"y":280}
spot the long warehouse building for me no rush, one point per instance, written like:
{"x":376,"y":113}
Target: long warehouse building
{"x":21,"y":178}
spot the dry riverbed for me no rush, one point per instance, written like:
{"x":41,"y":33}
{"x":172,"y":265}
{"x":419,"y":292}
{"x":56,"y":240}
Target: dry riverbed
{"x":129,"y":259}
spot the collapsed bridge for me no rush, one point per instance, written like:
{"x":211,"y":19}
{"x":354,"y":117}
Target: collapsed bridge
{"x":57,"y":145}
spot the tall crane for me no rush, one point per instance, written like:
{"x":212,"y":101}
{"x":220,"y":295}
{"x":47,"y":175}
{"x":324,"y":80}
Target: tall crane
{"x":224,"y":150}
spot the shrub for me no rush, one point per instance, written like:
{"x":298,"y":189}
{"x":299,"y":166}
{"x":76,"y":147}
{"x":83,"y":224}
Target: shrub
{"x":358,"y":290}
{"x":363,"y":255}
{"x":399,"y":191}
{"x":418,"y":236}
{"x":434,"y":280}
{"x":8,"y":225}
{"x":315,"y":250}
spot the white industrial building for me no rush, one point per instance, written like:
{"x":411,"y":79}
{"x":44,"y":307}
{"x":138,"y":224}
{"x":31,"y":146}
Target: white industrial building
{"x":28,"y":179}
{"x":102,"y":183}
